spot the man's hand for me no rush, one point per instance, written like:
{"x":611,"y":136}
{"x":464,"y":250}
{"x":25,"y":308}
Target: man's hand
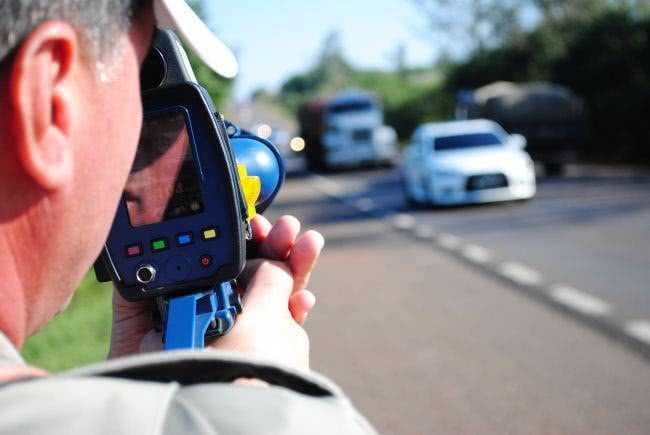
{"x":275,"y":301}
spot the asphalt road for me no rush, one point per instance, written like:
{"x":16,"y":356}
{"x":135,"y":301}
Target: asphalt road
{"x":424,"y":342}
{"x":589,"y":231}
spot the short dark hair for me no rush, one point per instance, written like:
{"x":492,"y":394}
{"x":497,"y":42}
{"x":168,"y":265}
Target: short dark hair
{"x":98,"y":20}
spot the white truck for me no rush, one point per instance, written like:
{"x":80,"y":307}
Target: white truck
{"x":346,"y":131}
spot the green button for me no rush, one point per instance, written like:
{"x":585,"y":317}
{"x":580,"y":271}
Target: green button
{"x":159,"y":245}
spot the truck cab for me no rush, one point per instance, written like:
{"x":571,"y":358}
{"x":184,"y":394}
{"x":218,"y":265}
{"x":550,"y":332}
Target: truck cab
{"x":349,"y":131}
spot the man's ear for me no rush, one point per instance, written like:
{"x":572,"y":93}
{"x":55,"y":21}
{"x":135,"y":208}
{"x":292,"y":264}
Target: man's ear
{"x":41,"y":96}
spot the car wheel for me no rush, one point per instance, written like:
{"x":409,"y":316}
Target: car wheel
{"x":553,"y":169}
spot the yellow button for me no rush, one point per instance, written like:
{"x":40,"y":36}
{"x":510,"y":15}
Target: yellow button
{"x":210,"y":234}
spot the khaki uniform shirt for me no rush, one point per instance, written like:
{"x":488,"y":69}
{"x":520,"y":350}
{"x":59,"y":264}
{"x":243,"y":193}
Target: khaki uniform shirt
{"x":175,"y":393}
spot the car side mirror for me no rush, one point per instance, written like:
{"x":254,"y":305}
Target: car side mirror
{"x":518,"y":141}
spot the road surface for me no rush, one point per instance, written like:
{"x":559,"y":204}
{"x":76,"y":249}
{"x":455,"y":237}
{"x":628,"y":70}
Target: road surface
{"x":589,"y":232}
{"x":424,"y":342}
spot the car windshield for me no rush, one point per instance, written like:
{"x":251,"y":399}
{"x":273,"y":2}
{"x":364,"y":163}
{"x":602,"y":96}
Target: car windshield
{"x":462,"y":141}
{"x":355,"y":106}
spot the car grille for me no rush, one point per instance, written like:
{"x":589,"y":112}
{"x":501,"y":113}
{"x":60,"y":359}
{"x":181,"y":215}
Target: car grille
{"x":362,"y":135}
{"x":486,"y":181}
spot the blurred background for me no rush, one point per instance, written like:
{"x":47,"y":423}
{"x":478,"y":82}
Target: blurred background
{"x":421,"y":57}
{"x":481,"y":172}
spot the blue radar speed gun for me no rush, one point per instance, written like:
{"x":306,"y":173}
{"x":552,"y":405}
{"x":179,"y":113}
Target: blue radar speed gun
{"x":180,"y":232}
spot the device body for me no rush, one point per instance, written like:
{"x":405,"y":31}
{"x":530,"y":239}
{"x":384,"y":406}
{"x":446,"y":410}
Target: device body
{"x":179,"y":234}
{"x":189,"y":231}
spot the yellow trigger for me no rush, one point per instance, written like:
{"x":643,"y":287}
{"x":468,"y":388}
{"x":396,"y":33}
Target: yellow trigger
{"x":252,"y":187}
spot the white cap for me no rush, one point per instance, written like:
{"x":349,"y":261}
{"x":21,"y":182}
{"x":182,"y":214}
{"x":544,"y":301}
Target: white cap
{"x":178,"y":16}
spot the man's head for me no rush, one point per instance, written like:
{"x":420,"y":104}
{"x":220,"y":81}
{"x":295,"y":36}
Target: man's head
{"x":98,"y":20}
{"x":70,"y":120}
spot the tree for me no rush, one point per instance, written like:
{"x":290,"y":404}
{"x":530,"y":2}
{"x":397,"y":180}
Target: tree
{"x":218,"y":87}
{"x":570,"y":11}
{"x":332,"y":70}
{"x":197,"y":5}
{"x":399,"y":60}
{"x":608,"y":64}
{"x":330,"y":73}
{"x":474,"y":24}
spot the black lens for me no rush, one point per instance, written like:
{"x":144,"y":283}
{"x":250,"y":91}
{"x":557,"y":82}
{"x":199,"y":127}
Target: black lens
{"x":153,"y":70}
{"x":146,"y":274}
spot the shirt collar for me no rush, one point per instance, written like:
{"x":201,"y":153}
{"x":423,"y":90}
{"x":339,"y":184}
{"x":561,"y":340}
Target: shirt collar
{"x":8,"y":353}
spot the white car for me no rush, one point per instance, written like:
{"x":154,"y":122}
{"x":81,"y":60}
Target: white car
{"x":465,"y":162}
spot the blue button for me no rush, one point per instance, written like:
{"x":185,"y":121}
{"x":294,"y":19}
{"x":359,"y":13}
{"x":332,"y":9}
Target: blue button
{"x":184,"y":239}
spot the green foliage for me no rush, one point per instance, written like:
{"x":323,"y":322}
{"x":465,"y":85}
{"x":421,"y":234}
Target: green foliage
{"x":477,"y":24}
{"x":330,"y":73}
{"x":409,"y":96}
{"x":602,"y":53}
{"x":608,"y":63}
{"x":220,"y":89}
{"x":78,"y":336}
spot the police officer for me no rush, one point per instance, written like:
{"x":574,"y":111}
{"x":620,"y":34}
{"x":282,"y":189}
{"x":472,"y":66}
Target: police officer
{"x":70,"y":118}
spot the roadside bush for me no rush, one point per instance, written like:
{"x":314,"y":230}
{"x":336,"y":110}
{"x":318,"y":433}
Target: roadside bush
{"x":431,"y":104}
{"x":608,"y":64}
{"x":605,"y":60}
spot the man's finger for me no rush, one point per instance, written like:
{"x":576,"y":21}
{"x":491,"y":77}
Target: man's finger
{"x":261,"y":228}
{"x":280,"y":239}
{"x":303,"y":257}
{"x":266,"y":282}
{"x":300,"y":304}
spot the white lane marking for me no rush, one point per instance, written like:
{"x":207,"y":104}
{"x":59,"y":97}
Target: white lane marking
{"x":328,"y":186}
{"x":449,"y":241}
{"x":365,"y":205}
{"x":404,"y":221}
{"x":477,"y":254}
{"x":639,"y":329}
{"x":514,"y":271}
{"x":580,"y":301}
{"x":520,"y":273}
{"x":424,"y":233}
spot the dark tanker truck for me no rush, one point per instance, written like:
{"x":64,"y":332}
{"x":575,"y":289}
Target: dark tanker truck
{"x":550,"y":116}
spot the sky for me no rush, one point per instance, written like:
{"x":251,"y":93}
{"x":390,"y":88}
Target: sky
{"x":278,"y":38}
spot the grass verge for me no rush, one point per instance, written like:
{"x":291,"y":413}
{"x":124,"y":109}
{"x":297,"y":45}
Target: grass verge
{"x":78,"y":336}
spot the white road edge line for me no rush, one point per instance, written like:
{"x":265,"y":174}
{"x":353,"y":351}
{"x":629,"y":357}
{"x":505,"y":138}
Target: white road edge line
{"x":520,"y":274}
{"x":404,"y":222}
{"x":639,"y":329}
{"x":579,"y":300}
{"x":449,"y":241}
{"x":326,"y":185}
{"x":477,"y":254}
{"x":514,"y":271}
{"x":424,"y":232}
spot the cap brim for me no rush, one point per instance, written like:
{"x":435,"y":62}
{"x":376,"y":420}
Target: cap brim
{"x":179,"y":17}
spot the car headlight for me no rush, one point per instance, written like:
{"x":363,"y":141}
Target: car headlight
{"x":385,"y":135}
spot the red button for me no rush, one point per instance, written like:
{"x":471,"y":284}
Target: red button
{"x":206,"y":261}
{"x":133,"y":250}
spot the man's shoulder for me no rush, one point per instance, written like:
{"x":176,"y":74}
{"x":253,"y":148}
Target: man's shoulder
{"x":71,"y":405}
{"x":183,"y":393}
